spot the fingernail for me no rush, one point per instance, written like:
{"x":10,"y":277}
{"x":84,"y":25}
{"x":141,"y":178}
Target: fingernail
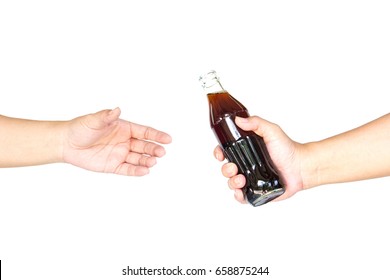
{"x":230,"y":169}
{"x":112,"y":110}
{"x":237,"y":180}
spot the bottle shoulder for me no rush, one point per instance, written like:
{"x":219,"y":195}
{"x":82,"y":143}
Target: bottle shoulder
{"x":223,"y":105}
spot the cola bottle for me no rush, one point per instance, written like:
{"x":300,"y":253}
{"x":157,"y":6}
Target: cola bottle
{"x":245,"y":148}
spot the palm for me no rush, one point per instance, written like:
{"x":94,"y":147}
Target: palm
{"x":284,"y":153}
{"x":104,"y":143}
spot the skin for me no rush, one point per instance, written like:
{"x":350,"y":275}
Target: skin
{"x":100,"y":142}
{"x":359,"y":154}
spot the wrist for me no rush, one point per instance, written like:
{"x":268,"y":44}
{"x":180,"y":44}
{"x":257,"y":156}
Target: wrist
{"x":60,"y":129}
{"x":310,"y":171}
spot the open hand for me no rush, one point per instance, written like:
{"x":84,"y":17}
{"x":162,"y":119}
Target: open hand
{"x":102,"y":142}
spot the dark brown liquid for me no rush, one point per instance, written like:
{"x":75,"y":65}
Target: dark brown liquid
{"x":245,"y":148}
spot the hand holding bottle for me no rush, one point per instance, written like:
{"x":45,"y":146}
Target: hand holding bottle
{"x":358,"y":154}
{"x":284,"y":153}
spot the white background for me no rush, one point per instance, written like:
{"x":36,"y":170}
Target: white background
{"x":316,"y":68}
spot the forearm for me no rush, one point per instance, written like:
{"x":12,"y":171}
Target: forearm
{"x":27,"y":142}
{"x":359,"y":154}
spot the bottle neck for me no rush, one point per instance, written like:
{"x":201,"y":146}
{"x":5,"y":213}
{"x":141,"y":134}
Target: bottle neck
{"x":210,"y":83}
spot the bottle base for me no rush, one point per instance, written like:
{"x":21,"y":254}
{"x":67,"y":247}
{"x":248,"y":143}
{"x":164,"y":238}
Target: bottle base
{"x":256,"y":198}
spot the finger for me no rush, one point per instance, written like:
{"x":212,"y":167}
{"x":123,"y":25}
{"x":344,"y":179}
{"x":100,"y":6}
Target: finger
{"x":218,"y":153}
{"x":236,"y":182}
{"x":239,"y":196}
{"x":146,"y":147}
{"x":149,"y":133}
{"x":229,"y":169}
{"x":131,"y":170}
{"x":142,"y":160}
{"x":256,"y":124}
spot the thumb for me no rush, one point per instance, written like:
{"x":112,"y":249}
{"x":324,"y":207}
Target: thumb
{"x":102,"y":118}
{"x":253,"y":123}
{"x":112,"y":115}
{"x":261,"y":127}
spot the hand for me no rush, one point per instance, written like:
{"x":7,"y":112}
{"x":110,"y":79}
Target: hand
{"x":285,"y":154}
{"x":102,"y":142}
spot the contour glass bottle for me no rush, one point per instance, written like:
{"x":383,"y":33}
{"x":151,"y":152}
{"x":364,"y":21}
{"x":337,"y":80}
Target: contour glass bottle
{"x":245,"y":148}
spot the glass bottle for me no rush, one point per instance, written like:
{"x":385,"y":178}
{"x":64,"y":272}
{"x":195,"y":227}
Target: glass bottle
{"x":245,"y":148}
